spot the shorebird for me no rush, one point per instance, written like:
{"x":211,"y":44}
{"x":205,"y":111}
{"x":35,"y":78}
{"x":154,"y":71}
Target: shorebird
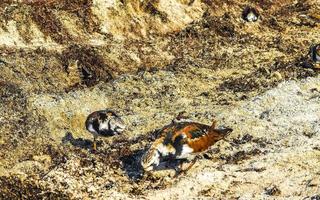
{"x":315,"y":53}
{"x":182,"y":140}
{"x":104,"y":123}
{"x":250,"y":14}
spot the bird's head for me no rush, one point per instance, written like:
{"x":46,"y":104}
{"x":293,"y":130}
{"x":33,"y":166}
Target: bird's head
{"x":113,"y":122}
{"x":150,"y":159}
{"x":117,"y":125}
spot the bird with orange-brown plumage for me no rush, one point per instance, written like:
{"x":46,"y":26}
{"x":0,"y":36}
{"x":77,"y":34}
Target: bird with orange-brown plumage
{"x":182,"y":140}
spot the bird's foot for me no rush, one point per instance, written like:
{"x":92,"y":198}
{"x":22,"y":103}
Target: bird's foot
{"x":180,"y":171}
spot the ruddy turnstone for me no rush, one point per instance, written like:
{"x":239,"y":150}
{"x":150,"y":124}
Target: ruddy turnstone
{"x":104,"y":123}
{"x":182,"y":140}
{"x":315,"y":53}
{"x":250,"y":14}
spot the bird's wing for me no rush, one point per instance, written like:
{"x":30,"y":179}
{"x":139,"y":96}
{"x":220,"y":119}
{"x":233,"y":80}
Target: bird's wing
{"x":189,"y":132}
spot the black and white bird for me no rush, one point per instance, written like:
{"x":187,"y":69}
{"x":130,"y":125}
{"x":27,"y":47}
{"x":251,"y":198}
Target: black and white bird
{"x":104,"y":123}
{"x":250,"y":14}
{"x":315,"y":53}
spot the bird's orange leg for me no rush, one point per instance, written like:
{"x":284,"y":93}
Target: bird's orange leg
{"x":180,"y":172}
{"x":94,"y":144}
{"x":190,"y":165}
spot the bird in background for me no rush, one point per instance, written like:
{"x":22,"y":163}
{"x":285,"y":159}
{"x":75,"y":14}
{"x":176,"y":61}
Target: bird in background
{"x":315,"y":53}
{"x":105,"y":123}
{"x":182,"y":140}
{"x":250,"y":14}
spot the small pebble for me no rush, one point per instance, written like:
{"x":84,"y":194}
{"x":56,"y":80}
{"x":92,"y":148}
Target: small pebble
{"x":277,"y":76}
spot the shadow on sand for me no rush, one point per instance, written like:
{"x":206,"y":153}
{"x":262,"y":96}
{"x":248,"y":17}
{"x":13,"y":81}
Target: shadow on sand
{"x":79,"y":142}
{"x":119,"y":153}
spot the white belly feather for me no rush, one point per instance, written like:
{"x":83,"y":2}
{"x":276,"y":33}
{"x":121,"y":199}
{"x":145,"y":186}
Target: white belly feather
{"x":186,"y":151}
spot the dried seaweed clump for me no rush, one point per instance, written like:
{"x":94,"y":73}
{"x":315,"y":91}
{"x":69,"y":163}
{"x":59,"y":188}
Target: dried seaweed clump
{"x":91,"y":65}
{"x":14,"y":188}
{"x":46,"y":15}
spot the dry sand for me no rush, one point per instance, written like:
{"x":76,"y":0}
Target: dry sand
{"x":148,"y":60}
